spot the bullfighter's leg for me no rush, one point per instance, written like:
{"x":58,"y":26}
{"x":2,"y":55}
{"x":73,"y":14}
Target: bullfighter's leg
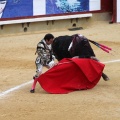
{"x":38,"y":73}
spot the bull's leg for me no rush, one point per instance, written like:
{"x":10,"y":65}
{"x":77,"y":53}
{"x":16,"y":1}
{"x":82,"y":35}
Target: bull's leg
{"x":104,"y":76}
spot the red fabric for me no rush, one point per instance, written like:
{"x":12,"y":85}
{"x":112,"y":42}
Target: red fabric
{"x":70,"y":75}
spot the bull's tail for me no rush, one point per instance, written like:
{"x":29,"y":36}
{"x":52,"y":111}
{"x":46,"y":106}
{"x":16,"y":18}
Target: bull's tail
{"x":101,"y":46}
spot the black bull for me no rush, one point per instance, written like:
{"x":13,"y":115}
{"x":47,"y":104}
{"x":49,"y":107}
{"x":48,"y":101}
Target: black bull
{"x":80,"y":47}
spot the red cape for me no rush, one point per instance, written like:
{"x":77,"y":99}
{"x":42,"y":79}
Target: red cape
{"x":70,"y":75}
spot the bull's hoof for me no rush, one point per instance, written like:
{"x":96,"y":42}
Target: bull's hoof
{"x":32,"y":91}
{"x":107,"y":78}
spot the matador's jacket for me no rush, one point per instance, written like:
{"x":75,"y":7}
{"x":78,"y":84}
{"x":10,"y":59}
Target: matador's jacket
{"x":44,"y":52}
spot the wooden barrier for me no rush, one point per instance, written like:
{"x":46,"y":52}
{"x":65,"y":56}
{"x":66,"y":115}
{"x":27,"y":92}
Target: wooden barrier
{"x":51,"y":18}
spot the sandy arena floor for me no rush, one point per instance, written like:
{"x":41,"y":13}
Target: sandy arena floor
{"x":17,"y":68}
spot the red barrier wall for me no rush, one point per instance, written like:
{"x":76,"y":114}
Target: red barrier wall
{"x":106,"y":5}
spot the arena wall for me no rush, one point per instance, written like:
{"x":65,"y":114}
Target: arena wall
{"x":48,"y":26}
{"x":56,"y":25}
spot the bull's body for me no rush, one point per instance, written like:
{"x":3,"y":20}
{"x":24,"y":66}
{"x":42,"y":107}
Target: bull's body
{"x":80,"y":47}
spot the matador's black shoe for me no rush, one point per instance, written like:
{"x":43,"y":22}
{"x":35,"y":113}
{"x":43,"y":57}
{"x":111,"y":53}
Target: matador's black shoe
{"x":32,"y":90}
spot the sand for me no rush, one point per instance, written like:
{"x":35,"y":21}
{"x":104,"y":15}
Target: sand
{"x":17,"y":67}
